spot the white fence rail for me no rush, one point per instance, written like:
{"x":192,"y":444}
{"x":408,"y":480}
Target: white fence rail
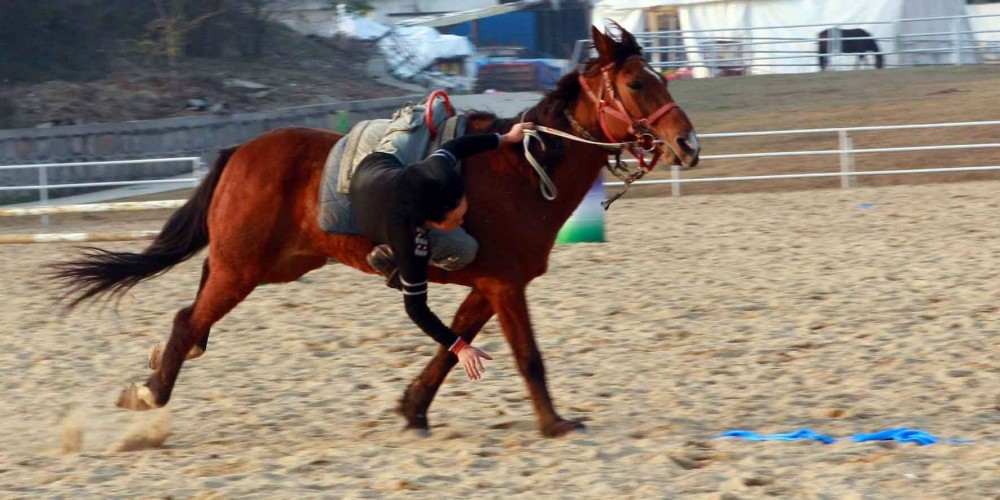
{"x":126,"y":206}
{"x":44,"y":186}
{"x":846,"y":151}
{"x":847,"y":175}
{"x":17,"y":239}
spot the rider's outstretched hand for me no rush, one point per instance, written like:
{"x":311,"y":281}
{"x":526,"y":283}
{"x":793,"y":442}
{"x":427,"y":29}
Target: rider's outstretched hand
{"x":516,"y":133}
{"x":472,"y":360}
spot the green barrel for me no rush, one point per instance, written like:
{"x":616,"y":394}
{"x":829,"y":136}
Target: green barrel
{"x":586,"y":225}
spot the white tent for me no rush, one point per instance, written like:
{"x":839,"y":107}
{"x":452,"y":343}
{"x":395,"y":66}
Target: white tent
{"x":779,"y":36}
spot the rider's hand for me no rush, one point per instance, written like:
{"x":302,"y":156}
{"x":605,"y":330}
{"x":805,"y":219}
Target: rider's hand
{"x":472,"y":360}
{"x":516,"y":133}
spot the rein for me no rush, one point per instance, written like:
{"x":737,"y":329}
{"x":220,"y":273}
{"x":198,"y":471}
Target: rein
{"x":644,"y":141}
{"x":548,"y":188}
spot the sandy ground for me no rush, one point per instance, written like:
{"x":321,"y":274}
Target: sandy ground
{"x":768,"y":312}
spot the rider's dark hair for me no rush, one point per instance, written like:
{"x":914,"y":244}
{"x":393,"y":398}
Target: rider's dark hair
{"x":432,"y":189}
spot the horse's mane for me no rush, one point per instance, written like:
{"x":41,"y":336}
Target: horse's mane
{"x":550,"y":110}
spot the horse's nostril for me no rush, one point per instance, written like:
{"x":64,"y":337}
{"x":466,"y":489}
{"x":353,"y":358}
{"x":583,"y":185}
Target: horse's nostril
{"x":684,"y":145}
{"x":689,"y":145}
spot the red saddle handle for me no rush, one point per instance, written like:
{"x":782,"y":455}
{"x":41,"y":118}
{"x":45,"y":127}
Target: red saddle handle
{"x":429,"y":117}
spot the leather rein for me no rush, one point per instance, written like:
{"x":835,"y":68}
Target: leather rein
{"x":608,"y":105}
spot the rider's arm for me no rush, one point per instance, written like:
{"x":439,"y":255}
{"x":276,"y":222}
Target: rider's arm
{"x":411,"y":250}
{"x":458,"y":149}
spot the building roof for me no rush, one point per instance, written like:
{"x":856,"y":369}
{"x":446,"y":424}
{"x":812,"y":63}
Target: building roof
{"x":453,"y":18}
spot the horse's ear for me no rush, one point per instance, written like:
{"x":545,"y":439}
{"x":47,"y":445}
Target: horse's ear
{"x":627,"y":40}
{"x":623,"y":43}
{"x":603,"y":43}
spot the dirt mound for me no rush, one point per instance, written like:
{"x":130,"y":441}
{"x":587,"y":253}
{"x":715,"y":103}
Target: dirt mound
{"x":293,"y":71}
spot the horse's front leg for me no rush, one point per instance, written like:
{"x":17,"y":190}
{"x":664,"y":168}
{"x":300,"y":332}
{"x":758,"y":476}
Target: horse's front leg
{"x":472,"y":315}
{"x":511,"y":306}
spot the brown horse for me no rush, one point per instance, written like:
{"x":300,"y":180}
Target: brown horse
{"x":259,"y":208}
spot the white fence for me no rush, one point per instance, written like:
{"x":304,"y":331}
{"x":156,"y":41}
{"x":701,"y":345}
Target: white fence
{"x":847,"y":173}
{"x":43,"y":186}
{"x":846,"y":152}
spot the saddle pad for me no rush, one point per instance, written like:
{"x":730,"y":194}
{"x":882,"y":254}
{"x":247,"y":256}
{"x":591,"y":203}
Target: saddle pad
{"x":453,"y":127}
{"x":360,"y":141}
{"x":409,"y":136}
{"x":335,"y":214}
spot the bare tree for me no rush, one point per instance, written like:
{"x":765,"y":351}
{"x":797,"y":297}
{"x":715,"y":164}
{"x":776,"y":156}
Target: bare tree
{"x":166,"y":36}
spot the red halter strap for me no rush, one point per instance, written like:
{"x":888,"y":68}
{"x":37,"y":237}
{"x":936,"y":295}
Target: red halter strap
{"x":613,"y":107}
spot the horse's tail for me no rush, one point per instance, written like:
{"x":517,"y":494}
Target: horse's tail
{"x":102,"y":272}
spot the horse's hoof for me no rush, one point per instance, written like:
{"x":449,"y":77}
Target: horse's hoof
{"x":416,"y":423}
{"x":417,"y":431}
{"x":137,"y":397}
{"x":414,"y":420}
{"x":562,"y":427}
{"x":156,"y":356}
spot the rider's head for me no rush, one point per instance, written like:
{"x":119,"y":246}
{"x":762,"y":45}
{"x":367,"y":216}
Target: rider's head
{"x":436,"y":194}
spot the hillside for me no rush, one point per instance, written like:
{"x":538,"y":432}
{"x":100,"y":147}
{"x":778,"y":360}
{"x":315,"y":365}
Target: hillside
{"x":291,"y":71}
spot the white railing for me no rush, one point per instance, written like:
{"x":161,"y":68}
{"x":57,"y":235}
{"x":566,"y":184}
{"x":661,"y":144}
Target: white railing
{"x":739,"y":49}
{"x":126,"y":206}
{"x":846,"y":151}
{"x":43,"y":186}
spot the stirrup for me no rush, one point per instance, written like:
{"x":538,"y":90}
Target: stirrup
{"x":382,"y":260}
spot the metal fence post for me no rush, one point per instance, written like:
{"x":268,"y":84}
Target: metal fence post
{"x":956,"y":30}
{"x":675,"y":181}
{"x":897,"y":28}
{"x":43,"y":192}
{"x":846,"y":160}
{"x":836,"y":48}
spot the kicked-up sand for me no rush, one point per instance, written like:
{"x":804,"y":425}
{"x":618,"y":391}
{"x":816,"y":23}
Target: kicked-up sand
{"x":842,"y":311}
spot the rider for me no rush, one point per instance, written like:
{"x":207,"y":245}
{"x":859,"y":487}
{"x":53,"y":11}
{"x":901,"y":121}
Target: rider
{"x":397,"y":205}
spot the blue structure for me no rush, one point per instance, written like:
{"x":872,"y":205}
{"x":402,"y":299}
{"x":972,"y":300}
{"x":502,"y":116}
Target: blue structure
{"x":511,"y":29}
{"x":544,"y":32}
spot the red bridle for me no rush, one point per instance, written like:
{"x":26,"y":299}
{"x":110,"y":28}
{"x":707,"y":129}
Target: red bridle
{"x":639,"y":128}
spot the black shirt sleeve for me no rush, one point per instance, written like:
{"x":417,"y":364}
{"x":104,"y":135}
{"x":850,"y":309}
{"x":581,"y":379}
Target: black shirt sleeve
{"x":463,"y":147}
{"x":410,"y":247}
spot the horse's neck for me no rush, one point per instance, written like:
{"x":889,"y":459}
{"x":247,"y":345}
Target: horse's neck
{"x":576,"y":171}
{"x":574,"y":175}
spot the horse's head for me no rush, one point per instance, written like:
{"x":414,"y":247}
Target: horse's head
{"x":632,"y":102}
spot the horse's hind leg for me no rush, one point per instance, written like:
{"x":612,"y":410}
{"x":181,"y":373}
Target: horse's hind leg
{"x":472,"y":315}
{"x":223,"y":290}
{"x":156,"y":356}
{"x":822,"y":55}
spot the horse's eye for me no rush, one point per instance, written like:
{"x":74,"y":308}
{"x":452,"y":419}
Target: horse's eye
{"x":635,"y":85}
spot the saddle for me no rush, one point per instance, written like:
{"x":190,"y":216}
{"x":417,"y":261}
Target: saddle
{"x":413,"y":132}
